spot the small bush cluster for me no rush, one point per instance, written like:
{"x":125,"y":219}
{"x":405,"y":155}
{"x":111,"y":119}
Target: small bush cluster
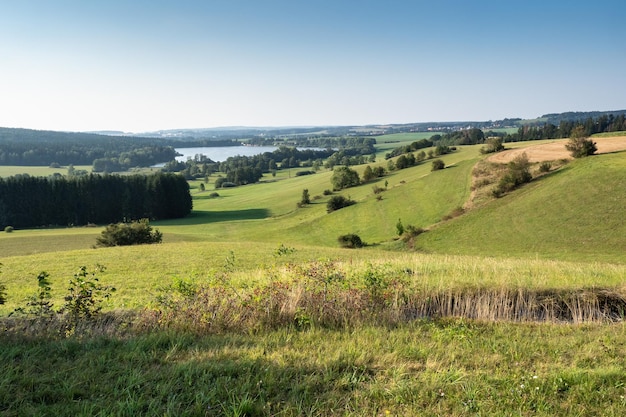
{"x":8,"y":229}
{"x":337,"y":202}
{"x":301,"y":173}
{"x":437,"y":164}
{"x":124,"y":234}
{"x":518,"y":173}
{"x":350,"y":241}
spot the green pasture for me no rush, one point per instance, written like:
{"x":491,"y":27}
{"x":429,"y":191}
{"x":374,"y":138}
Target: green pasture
{"x":574,"y":213}
{"x":37,"y":171}
{"x":562,"y":232}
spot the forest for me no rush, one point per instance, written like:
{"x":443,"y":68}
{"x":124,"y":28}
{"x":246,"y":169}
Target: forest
{"x":27,"y":202}
{"x":28,"y":147}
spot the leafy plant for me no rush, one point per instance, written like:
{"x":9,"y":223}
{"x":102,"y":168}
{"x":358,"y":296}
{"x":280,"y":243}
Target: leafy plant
{"x":39,"y":305}
{"x":85,"y":297}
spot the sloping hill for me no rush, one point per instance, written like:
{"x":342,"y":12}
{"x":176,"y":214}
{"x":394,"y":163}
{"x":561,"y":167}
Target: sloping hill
{"x":576,"y":213}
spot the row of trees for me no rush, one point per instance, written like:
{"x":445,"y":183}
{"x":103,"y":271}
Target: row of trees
{"x":38,"y":201}
{"x":588,"y":127}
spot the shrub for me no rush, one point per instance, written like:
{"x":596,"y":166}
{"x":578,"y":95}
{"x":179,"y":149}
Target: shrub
{"x":9,"y":229}
{"x":301,"y":173}
{"x":579,"y":145}
{"x":337,"y":202}
{"x":518,"y":173}
{"x":327,"y":192}
{"x":492,"y":144}
{"x":123,"y":234}
{"x":437,"y":165}
{"x":3,"y":292}
{"x":545,"y":167}
{"x":377,"y":190}
{"x":350,"y":241}
{"x":214,"y":195}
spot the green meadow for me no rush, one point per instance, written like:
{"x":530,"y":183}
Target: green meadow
{"x":561,"y":235}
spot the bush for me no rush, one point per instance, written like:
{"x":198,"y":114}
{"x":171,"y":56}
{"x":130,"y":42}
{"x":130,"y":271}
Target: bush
{"x":437,"y":165}
{"x":123,"y":234}
{"x":214,"y":195}
{"x":9,"y":229}
{"x":518,"y":173}
{"x":350,"y":241}
{"x":327,"y":192}
{"x":301,"y":173}
{"x":581,"y":147}
{"x":545,"y":167}
{"x":337,"y":202}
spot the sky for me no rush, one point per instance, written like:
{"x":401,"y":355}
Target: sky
{"x":147,"y":65}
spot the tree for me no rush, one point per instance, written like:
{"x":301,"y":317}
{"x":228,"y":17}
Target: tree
{"x":368,"y":174}
{"x":492,"y":144}
{"x":306,"y":198}
{"x":579,"y":144}
{"x":344,"y":177}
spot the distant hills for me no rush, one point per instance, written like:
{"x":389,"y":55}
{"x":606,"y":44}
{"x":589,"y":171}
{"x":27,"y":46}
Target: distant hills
{"x":175,"y":136}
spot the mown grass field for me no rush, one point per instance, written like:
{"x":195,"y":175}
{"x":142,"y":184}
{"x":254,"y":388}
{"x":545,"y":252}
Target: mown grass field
{"x":563,"y":232}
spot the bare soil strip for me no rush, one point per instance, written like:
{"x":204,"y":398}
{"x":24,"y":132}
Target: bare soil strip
{"x":556,"y":150}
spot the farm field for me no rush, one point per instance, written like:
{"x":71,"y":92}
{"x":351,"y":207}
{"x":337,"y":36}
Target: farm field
{"x":558,"y":239}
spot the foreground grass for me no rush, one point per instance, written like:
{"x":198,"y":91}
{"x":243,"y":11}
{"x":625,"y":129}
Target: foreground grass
{"x":138,"y":272}
{"x":452,"y":368}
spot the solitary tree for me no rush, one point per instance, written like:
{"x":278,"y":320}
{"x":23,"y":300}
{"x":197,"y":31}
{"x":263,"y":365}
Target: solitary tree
{"x":368,"y":174}
{"x":306,"y":198}
{"x":579,"y":144}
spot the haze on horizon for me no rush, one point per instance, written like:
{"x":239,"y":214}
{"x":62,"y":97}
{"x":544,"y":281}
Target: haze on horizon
{"x":155,"y":65}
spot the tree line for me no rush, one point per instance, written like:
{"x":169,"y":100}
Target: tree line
{"x":27,"y":147}
{"x":589,"y":126}
{"x":27,"y":201}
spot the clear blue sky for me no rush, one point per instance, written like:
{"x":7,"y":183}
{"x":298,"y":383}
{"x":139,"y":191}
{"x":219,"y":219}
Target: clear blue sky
{"x":148,"y":65}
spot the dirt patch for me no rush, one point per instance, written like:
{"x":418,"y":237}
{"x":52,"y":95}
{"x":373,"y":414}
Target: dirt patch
{"x":554,"y":151}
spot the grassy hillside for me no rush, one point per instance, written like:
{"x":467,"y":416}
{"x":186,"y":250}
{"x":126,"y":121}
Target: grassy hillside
{"x":575,"y":213}
{"x":557,"y":242}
